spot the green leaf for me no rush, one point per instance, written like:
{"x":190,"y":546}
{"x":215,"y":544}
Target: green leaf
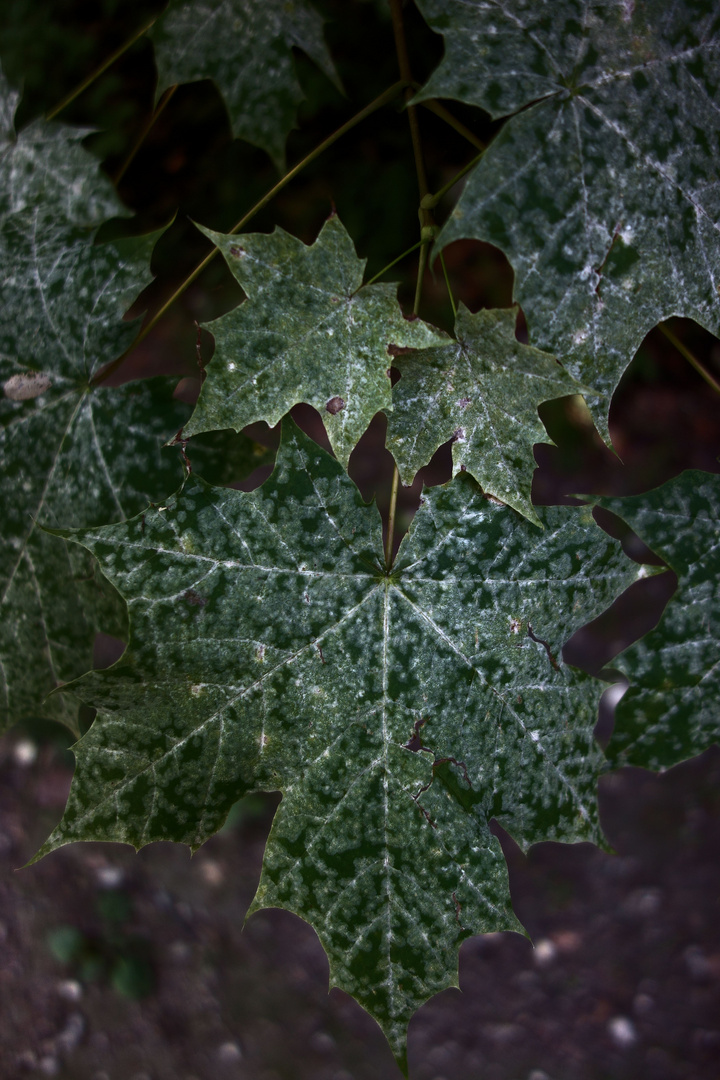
{"x":482,"y":391}
{"x":44,"y":168}
{"x":245,"y":46}
{"x":670,"y":711}
{"x":70,"y":455}
{"x":603,"y":193}
{"x":308,"y":332}
{"x":269,"y":648}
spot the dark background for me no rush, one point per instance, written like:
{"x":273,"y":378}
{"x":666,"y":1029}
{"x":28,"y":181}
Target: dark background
{"x":119,"y":966}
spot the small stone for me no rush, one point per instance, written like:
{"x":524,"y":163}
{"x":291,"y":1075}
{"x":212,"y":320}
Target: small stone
{"x":25,"y":752}
{"x":109,"y":877}
{"x":538,"y":1074}
{"x":212,"y":872}
{"x":70,"y":990}
{"x":643,"y":1004}
{"x":49,"y":1065}
{"x":229,"y":1052}
{"x":622,"y":1031}
{"x":72,"y":1033}
{"x":545,"y":951}
{"x":322,"y":1042}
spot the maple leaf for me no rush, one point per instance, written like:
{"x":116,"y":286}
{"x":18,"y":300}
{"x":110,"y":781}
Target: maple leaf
{"x":482,"y":391}
{"x":309,"y":331}
{"x":602,"y":188}
{"x":397,"y":711}
{"x":70,"y":453}
{"x":670,"y":712}
{"x":245,"y":46}
{"x":45,"y":169}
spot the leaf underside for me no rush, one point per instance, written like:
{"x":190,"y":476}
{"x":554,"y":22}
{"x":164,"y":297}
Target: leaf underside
{"x":397,"y":712}
{"x":670,"y":711}
{"x":309,"y":331}
{"x":246,"y":47}
{"x":603,"y":193}
{"x":482,"y":391}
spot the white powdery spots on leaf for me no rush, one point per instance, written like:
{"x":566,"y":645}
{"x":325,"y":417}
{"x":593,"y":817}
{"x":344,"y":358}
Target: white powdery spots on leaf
{"x":308,"y":332}
{"x":396,"y":712}
{"x":493,"y":423}
{"x":600,"y":197}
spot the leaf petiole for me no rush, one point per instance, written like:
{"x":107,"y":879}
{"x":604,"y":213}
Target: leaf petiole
{"x":108,"y":62}
{"x":395,"y":262}
{"x":453,"y":305}
{"x":431,"y":201}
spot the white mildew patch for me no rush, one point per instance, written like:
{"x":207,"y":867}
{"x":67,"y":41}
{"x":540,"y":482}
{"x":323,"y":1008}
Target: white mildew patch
{"x":669,"y":712}
{"x":601,"y":193}
{"x":309,"y":331}
{"x":396,"y":712}
{"x":246,"y":47}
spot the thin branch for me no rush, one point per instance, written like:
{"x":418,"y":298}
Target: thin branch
{"x":447,"y":116}
{"x":690,"y":357}
{"x":431,"y":201}
{"x":100,"y":70}
{"x":383,"y":99}
{"x":394,"y":262}
{"x":146,"y":129}
{"x":447,"y":285}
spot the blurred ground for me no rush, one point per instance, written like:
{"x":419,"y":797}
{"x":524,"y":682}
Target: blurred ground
{"x":119,"y":966}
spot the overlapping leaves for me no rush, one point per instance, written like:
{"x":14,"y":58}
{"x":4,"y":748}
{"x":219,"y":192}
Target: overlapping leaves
{"x":482,"y":391}
{"x":246,"y":47}
{"x":670,"y":711}
{"x":603,"y":189}
{"x":309,"y":331}
{"x":270,"y":649}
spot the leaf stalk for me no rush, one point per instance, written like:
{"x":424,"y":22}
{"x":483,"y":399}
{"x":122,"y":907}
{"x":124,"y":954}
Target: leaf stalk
{"x":108,"y":62}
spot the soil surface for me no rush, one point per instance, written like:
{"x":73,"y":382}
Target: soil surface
{"x":119,"y":966}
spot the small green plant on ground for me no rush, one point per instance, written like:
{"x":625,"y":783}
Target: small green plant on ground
{"x":400,"y":691}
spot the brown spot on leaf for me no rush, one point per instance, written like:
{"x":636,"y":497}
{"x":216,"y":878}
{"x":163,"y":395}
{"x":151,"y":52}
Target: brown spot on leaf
{"x":464,"y":402}
{"x":334,"y":405}
{"x":194,"y":598}
{"x":236,"y":250}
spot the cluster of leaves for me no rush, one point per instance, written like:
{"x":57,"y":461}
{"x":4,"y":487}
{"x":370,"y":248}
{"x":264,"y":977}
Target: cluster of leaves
{"x":273,"y":645}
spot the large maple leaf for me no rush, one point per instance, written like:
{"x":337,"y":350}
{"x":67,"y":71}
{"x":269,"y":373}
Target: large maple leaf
{"x":397,"y":710}
{"x":602,"y":189}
